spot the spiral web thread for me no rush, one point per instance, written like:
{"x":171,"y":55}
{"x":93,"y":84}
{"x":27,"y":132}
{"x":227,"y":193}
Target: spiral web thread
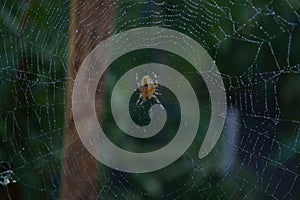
{"x":255,"y":45}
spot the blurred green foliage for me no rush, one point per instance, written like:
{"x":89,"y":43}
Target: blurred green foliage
{"x":33,"y":58}
{"x":255,"y":45}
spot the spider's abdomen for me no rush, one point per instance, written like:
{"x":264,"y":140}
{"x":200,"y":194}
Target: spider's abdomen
{"x":147,"y":92}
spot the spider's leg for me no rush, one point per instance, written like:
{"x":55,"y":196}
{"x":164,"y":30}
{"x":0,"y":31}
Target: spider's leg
{"x":138,"y":102}
{"x":142,"y":101}
{"x":155,"y":79}
{"x":158,"y":102}
{"x":156,"y":99}
{"x":156,"y":82}
{"x":137,"y":79}
{"x":154,"y":75}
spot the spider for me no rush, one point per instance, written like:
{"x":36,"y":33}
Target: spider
{"x":147,"y":88}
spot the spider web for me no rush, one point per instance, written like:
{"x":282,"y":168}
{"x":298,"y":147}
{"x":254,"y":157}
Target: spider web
{"x":255,"y":45}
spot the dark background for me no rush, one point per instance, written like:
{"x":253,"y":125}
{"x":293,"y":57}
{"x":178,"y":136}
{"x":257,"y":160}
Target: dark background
{"x":256,"y":47}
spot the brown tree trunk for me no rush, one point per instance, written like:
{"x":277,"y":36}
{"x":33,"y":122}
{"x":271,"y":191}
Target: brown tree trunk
{"x":91,"y":21}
